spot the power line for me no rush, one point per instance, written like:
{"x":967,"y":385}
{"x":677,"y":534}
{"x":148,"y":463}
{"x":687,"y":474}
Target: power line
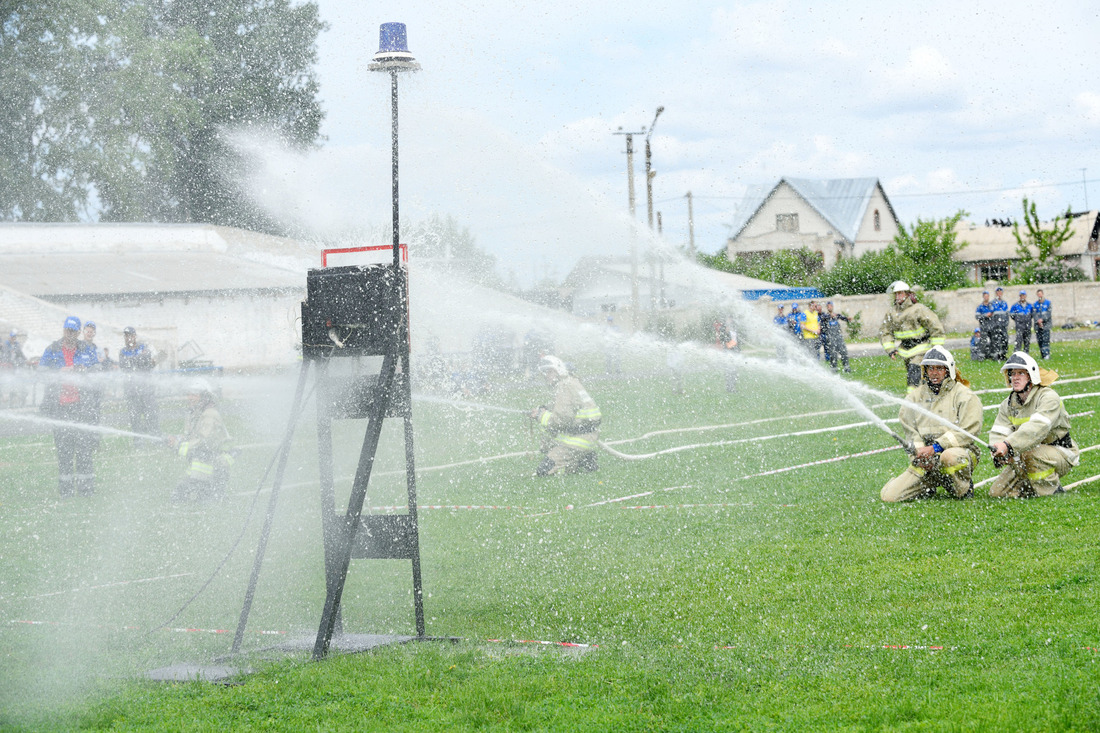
{"x":915,"y":195}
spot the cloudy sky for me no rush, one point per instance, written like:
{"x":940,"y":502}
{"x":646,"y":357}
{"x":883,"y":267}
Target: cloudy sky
{"x":509,"y":126}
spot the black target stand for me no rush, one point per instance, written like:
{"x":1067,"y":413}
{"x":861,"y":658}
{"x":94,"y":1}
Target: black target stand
{"x":354,"y":314}
{"x":361,"y":312}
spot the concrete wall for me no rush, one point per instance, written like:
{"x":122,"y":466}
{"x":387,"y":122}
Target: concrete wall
{"x":1078,"y":302}
{"x":242,"y":331}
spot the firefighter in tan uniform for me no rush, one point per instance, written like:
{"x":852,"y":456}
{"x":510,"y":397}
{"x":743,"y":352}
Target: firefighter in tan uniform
{"x":908,"y":330}
{"x":1030,"y":438}
{"x":941,"y":456}
{"x":204,"y":446}
{"x":571,"y":426}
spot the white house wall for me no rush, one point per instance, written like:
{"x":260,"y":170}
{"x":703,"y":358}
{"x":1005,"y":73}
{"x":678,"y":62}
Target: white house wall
{"x":869,"y":240}
{"x":760,"y":234}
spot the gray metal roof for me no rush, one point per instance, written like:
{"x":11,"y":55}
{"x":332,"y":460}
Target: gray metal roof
{"x":841,"y":201}
{"x":46,"y":260}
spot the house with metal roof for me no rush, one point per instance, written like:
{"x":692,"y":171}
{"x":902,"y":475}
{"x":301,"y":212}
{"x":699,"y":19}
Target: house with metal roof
{"x":837,"y":217}
{"x":991,"y":250}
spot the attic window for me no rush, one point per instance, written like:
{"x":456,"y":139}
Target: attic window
{"x":878,"y":221}
{"x":786,"y":223}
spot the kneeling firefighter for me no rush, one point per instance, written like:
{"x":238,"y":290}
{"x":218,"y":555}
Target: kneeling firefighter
{"x":939,"y":455}
{"x":1030,"y":439}
{"x":204,"y":445}
{"x":571,"y":427}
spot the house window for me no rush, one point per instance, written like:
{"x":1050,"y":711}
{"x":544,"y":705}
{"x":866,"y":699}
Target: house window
{"x":786,"y":223}
{"x":878,"y":221}
{"x":998,"y":271}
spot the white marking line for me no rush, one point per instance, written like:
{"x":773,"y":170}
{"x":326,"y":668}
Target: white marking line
{"x":636,"y":496}
{"x":107,"y":585}
{"x":705,"y":506}
{"x":25,"y":622}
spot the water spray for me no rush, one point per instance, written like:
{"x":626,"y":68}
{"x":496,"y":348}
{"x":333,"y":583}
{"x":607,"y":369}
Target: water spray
{"x":86,"y":427}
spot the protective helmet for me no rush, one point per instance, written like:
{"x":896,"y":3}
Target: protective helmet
{"x":899,"y":286}
{"x":1022,"y":360}
{"x":939,"y":356}
{"x":553,"y":364}
{"x":199,"y":386}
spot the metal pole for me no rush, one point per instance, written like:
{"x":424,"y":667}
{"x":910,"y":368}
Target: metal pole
{"x":393,"y":135}
{"x":633,"y":236}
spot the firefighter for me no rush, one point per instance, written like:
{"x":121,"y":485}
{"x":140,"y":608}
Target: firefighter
{"x":941,"y":456}
{"x":204,"y":445}
{"x":908,"y":330}
{"x":572,"y":425}
{"x":1030,"y":438}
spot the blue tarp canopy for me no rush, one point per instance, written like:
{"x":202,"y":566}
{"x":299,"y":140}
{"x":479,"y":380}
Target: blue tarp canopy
{"x":783,"y":294}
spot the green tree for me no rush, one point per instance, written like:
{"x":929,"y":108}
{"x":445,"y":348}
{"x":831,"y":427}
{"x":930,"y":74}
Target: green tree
{"x":446,"y":244}
{"x":786,"y":267}
{"x":1038,"y":249}
{"x":930,"y":246}
{"x":120,"y":109}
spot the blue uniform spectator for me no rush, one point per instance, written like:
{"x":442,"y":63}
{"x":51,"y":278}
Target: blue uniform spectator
{"x":976,"y":345}
{"x":1021,"y":315}
{"x":984,"y":315}
{"x":71,"y":401}
{"x":1044,"y":321}
{"x":795,"y":321}
{"x":1000,"y":326}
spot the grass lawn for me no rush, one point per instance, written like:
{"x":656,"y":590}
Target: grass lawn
{"x":712,"y":599}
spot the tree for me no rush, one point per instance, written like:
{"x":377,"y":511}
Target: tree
{"x":447,"y":245}
{"x":119,"y":109}
{"x":871,"y":272}
{"x":787,"y":267}
{"x":930,"y":246}
{"x":1038,"y":249}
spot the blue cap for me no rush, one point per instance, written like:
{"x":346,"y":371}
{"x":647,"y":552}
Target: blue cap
{"x":1023,"y":292}
{"x":829,"y":303}
{"x":1000,"y":290}
{"x":89,"y":323}
{"x":794,"y":306}
{"x":985,"y":292}
{"x":72,"y":323}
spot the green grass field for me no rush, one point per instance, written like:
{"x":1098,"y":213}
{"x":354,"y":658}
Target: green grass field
{"x":790,"y":601}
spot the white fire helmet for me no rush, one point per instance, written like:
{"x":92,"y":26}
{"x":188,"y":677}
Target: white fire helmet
{"x":553,"y":364}
{"x":939,"y":356}
{"x":1022,"y":360}
{"x":899,"y":286}
{"x":199,"y":386}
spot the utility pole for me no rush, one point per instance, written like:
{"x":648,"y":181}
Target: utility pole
{"x":650,"y":174}
{"x":633,"y":237}
{"x":1085,"y":183}
{"x":691,"y":229}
